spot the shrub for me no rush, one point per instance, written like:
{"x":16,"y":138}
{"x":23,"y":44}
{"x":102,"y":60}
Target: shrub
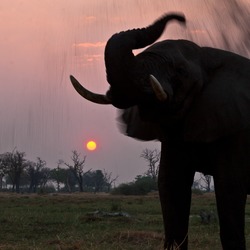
{"x":141,"y":186}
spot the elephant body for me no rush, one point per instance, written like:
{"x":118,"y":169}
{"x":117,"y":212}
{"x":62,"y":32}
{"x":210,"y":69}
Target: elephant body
{"x":220,"y":83}
{"x":200,"y":111}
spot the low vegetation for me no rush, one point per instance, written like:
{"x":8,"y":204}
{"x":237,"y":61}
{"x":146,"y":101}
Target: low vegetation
{"x":142,"y":185}
{"x":99,"y":221}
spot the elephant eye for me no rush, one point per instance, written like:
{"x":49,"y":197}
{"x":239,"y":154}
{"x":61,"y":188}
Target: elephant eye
{"x":176,"y":83}
{"x":181,"y":71}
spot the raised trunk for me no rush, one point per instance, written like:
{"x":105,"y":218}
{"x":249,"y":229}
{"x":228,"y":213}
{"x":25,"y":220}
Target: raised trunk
{"x":118,"y":52}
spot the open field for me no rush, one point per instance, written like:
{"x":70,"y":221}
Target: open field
{"x":68,"y":221}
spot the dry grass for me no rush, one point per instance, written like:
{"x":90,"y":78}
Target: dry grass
{"x":64,"y":221}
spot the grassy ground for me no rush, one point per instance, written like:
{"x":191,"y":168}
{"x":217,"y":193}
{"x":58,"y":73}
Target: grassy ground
{"x":67,"y":222}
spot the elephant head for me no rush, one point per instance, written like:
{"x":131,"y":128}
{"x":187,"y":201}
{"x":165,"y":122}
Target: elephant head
{"x":131,"y":80}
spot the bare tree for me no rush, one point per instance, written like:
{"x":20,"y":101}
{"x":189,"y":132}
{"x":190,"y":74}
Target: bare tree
{"x":109,"y":179}
{"x":153,"y":159}
{"x":45,"y":176}
{"x":205,"y":182}
{"x":77,"y":168}
{"x":35,"y":173}
{"x":57,"y":174}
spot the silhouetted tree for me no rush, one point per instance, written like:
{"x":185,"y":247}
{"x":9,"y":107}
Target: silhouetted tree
{"x":109,"y":180}
{"x":205,"y":182}
{"x":35,"y":173}
{"x":45,"y":177}
{"x":77,"y":168}
{"x":153,"y":159}
{"x":94,"y":181}
{"x":15,"y":164}
{"x":3,"y":169}
{"x":70,"y":181}
{"x":58,"y":175}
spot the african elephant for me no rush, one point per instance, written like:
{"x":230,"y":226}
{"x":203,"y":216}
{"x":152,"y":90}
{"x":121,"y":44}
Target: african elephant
{"x":196,"y":101}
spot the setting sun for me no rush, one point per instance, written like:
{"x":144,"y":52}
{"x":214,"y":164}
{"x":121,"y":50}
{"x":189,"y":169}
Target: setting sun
{"x":91,"y":145}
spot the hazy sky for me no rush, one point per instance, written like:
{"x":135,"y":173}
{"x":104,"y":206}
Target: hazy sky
{"x":43,"y":42}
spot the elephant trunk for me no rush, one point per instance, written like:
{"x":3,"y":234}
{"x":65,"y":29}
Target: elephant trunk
{"x":124,"y":71}
{"x":119,"y":58}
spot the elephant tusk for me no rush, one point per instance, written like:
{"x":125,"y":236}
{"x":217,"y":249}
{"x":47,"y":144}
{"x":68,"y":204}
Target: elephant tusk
{"x":157,"y":88}
{"x":90,"y":96}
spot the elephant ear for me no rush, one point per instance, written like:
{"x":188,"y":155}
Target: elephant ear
{"x":223,"y":107}
{"x":131,"y":124}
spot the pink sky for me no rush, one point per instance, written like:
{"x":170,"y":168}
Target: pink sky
{"x":43,"y":42}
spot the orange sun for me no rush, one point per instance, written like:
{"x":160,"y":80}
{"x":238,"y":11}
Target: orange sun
{"x":91,"y":145}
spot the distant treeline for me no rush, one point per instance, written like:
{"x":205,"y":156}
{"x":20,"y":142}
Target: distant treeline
{"x":19,"y":174}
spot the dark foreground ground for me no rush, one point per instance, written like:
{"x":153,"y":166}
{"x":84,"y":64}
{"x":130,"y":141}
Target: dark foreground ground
{"x":72,"y":222}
